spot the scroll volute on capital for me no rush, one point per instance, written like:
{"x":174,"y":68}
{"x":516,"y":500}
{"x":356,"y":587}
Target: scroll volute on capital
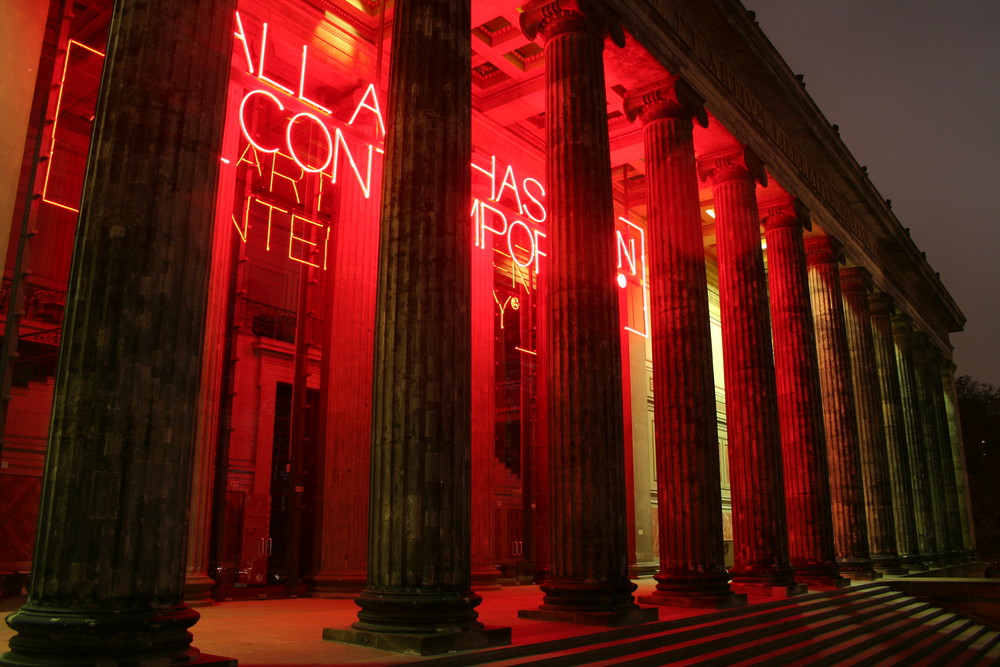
{"x":736,"y":160}
{"x":788,"y":211}
{"x":824,"y":250}
{"x":672,"y":97}
{"x":537,"y":13}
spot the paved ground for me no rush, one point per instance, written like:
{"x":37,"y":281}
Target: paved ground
{"x":261,"y":633}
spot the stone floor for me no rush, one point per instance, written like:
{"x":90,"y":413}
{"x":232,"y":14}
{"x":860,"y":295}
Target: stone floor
{"x":261,"y":633}
{"x":289,"y":631}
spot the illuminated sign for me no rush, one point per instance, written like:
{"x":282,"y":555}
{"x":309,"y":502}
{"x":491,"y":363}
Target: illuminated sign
{"x":294,"y":150}
{"x":65,"y":193}
{"x":523,"y":241}
{"x":630,"y":243}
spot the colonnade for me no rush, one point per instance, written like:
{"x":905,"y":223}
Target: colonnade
{"x":841,"y":458}
{"x":843,"y":443}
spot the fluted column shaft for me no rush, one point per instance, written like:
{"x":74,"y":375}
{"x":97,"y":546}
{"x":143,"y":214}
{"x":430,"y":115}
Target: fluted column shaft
{"x":419,"y":533}
{"x":956,"y":542}
{"x":108,"y":573}
{"x":588,"y":559}
{"x":346,"y":397}
{"x":913,"y":423}
{"x":880,"y":308}
{"x":800,"y":405}
{"x":759,"y":531}
{"x":941,"y":479}
{"x":958,"y":454}
{"x":485,"y":575}
{"x":855,"y":284}
{"x":689,"y":500}
{"x":850,"y":529}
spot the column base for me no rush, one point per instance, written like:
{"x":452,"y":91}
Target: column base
{"x":337,"y":586}
{"x":607,"y":619}
{"x":198,"y":590}
{"x":692,"y":589}
{"x":11,"y":660}
{"x":858,"y":569}
{"x":769,"y":589}
{"x":767,"y":579}
{"x":888,"y":565}
{"x":823,"y":583}
{"x":820,"y":575}
{"x":861,"y":575}
{"x":422,"y":643}
{"x":485,"y":578}
{"x":722,"y":601}
{"x":206,"y":659}
{"x":912,"y":563}
{"x":54,"y":637}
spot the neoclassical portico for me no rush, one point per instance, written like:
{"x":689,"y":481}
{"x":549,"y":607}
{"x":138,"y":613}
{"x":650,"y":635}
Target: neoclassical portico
{"x":826,"y":390}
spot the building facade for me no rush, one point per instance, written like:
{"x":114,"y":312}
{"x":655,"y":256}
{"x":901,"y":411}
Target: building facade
{"x":329,"y":297}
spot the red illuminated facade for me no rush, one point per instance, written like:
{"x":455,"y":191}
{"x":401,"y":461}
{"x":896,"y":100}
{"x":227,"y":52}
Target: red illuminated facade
{"x":302,"y":298}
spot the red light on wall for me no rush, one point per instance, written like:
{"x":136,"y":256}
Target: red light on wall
{"x":630,"y":243}
{"x":80,"y":88}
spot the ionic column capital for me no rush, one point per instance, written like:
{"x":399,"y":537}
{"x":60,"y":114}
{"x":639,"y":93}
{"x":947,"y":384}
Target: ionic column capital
{"x":880,"y":303}
{"x":550,"y":18}
{"x":788,"y":211}
{"x":737,"y":164}
{"x":926,"y":347}
{"x":922,"y":340}
{"x":824,"y":250}
{"x":671,"y":98}
{"x":948,"y":366}
{"x":855,"y":279}
{"x":901,"y":324}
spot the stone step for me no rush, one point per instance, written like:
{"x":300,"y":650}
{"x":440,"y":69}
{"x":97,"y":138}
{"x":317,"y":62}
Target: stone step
{"x":958,"y":650}
{"x":841,"y":637}
{"x":874,"y":637}
{"x":694,"y":640}
{"x":795,"y":637}
{"x":892,"y":644}
{"x":921,"y":651}
{"x":708,"y":623}
{"x":863,"y":625}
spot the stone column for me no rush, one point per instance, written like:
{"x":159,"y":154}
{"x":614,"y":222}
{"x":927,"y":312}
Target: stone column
{"x":956,"y":542}
{"x":800,"y":404}
{"x":692,"y":568}
{"x":197,"y":582}
{"x":485,"y":575}
{"x":849,"y":527}
{"x":587,"y":579}
{"x":760,"y":538}
{"x":913,"y":424}
{"x":418,"y":597}
{"x":855,"y":284}
{"x":880,"y":307}
{"x":108,"y":574}
{"x":958,"y":455}
{"x":943,"y":503}
{"x":346,"y":397}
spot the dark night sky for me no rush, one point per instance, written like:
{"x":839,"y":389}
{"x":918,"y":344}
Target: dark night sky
{"x":915,"y":87}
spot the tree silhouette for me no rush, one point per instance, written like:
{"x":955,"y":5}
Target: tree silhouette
{"x":979,"y":410}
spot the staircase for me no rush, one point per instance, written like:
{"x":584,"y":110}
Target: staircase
{"x":861,"y":625}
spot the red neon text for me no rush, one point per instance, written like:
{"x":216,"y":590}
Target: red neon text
{"x":630,"y":245}
{"x":511,"y":201}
